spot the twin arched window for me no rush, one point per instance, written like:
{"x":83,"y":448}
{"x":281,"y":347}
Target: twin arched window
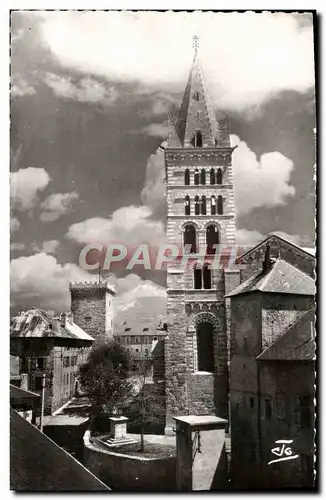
{"x":202,"y":277}
{"x":190,"y":238}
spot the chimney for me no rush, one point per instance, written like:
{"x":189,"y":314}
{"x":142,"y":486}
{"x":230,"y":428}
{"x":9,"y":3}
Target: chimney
{"x":55,"y":322}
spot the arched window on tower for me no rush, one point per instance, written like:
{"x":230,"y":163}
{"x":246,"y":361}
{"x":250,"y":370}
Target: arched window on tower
{"x":196,"y":177}
{"x":187,"y":205}
{"x":205,"y":347}
{"x":197,"y":205}
{"x":220,"y":205}
{"x":212,"y":238}
{"x":207,"y":277}
{"x":190,"y":238}
{"x":219,"y":176}
{"x":197,"y":277}
{"x":203,"y":205}
{"x":213,"y":205}
{"x":198,"y":139}
{"x":212,"y":176}
{"x":203,"y":176}
{"x":187,"y":177}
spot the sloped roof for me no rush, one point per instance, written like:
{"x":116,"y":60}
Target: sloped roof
{"x":20,"y":396}
{"x":38,"y":464}
{"x":37,"y":323}
{"x":309,"y":252}
{"x":197,"y":113}
{"x":296,"y":344}
{"x":282,"y":277}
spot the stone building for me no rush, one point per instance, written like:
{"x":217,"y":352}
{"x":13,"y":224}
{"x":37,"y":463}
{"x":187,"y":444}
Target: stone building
{"x":50,"y":345}
{"x":92,"y":305}
{"x":272,"y":367}
{"x":200,"y":212}
{"x":139,"y":338}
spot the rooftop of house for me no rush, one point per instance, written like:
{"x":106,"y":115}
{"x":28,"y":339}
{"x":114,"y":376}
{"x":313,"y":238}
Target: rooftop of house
{"x":37,"y":323}
{"x":296,"y":344}
{"x":20,"y":397}
{"x":277,"y":277}
{"x":38,"y":464}
{"x":142,"y":327}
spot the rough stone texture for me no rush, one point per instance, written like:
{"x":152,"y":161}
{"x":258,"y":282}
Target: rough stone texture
{"x":128,"y":473}
{"x":92,"y":308}
{"x":201,"y":459}
{"x":257,"y":319}
{"x":186,"y":390}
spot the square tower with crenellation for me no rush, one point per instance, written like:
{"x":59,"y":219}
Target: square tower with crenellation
{"x":93,"y":308}
{"x":200,"y":214}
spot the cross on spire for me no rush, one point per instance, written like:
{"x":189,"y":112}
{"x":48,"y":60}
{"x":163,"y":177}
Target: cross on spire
{"x":195,"y":43}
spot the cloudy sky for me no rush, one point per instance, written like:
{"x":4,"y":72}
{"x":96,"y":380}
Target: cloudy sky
{"x":90,"y":96}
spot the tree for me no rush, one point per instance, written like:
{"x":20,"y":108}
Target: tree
{"x":147,"y":406}
{"x":105,"y":379}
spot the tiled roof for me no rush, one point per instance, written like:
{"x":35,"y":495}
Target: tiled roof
{"x":282,"y":277}
{"x":37,"y":323}
{"x":296,"y":344}
{"x":38,"y":464}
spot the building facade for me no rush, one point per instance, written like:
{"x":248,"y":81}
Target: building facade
{"x":200,"y":214}
{"x":272,"y":372}
{"x":50,"y":345}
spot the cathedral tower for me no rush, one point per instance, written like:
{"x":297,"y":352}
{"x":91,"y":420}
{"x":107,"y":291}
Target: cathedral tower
{"x":200,"y":212}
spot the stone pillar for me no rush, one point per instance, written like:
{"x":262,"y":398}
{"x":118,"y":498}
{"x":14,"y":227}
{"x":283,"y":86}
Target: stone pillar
{"x":118,"y":427}
{"x":201,"y":458}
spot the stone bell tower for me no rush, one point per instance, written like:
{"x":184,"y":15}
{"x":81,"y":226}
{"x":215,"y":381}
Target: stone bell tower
{"x":200,"y":213}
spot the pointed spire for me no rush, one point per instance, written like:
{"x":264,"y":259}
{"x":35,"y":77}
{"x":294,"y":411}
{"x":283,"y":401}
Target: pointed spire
{"x":196,"y":125}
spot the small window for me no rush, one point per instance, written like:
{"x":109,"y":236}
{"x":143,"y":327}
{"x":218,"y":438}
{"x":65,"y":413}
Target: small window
{"x":127,"y":329}
{"x":145,"y":329}
{"x":40,"y":363}
{"x":155,"y":338}
{"x":88,"y":319}
{"x":203,"y":205}
{"x":196,"y":177}
{"x":219,"y":176}
{"x":220,"y":205}
{"x":38,"y":383}
{"x":252,"y":403}
{"x":268,"y":409}
{"x":212,"y":176}
{"x":187,"y":177}
{"x":197,"y":277}
{"x":187,"y":205}
{"x":213,"y":205}
{"x":203,"y":177}
{"x":207,"y":277}
{"x":118,"y":339}
{"x":198,"y":139}
{"x":196,"y":96}
{"x":197,"y":205}
{"x":137,"y":350}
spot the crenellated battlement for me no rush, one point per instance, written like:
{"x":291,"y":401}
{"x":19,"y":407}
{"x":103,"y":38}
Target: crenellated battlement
{"x":86,"y":286}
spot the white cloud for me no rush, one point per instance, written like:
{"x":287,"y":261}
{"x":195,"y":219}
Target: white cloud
{"x":20,"y":87}
{"x":85,"y":90}
{"x":156,"y":130}
{"x":25,"y":185}
{"x":260,"y":183}
{"x":247,"y":58}
{"x":153,"y":193}
{"x":14,"y":224}
{"x":47,"y":289}
{"x":128,"y":225}
{"x":248,"y":237}
{"x":56,"y":205}
{"x":49,"y":246}
{"x":17,"y":246}
{"x":252,"y":237}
